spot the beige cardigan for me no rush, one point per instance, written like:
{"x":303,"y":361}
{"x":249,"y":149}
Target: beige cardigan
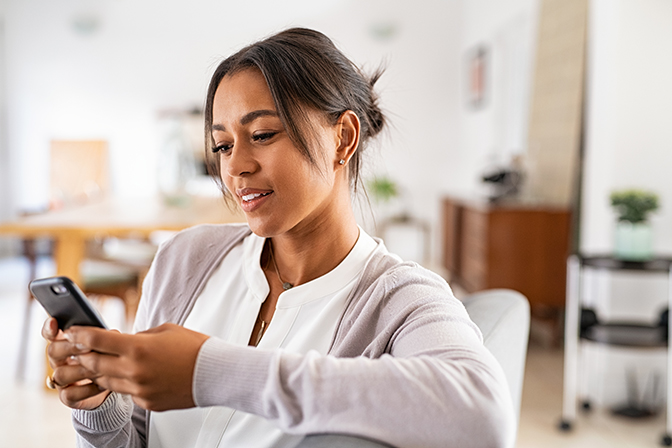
{"x":406,"y":366}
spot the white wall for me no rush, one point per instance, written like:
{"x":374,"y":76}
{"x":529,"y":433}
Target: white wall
{"x":5,"y":185}
{"x":629,"y":107}
{"x":492,"y":134}
{"x":628,"y":144}
{"x":4,"y":158}
{"x":150,"y":55}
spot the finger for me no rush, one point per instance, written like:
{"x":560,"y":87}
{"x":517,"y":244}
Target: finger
{"x":98,"y":339}
{"x":120,"y":385}
{"x":50,"y":329}
{"x":73,"y":396}
{"x":67,"y":375}
{"x":102,"y":364}
{"x":59,"y":351}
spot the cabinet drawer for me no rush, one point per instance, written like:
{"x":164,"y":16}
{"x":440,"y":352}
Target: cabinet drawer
{"x":474,"y":237}
{"x":474,"y":223}
{"x":452,"y":214}
{"x":474,"y":273}
{"x":474,"y":249}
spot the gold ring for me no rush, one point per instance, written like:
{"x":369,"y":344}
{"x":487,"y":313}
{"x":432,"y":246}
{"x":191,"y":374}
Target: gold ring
{"x":51,"y":384}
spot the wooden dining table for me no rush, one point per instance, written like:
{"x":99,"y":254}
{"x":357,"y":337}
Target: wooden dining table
{"x":71,"y":228}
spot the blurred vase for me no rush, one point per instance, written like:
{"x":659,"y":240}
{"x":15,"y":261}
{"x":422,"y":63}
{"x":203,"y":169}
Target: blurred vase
{"x":634,"y":241}
{"x":177,"y":164}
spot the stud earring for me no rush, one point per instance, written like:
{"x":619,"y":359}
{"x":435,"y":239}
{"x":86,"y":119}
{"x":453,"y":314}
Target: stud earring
{"x":341,"y":162}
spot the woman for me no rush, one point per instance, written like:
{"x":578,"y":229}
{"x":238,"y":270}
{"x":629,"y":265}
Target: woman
{"x":298,"y":322}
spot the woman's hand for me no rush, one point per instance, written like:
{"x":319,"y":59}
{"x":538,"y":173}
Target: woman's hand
{"x":155,"y":366}
{"x":73,"y":381}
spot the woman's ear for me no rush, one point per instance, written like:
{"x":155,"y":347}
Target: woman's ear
{"x":348,"y":129}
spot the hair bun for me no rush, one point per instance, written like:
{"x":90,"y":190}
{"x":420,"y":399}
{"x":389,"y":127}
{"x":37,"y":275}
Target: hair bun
{"x":375,"y":116}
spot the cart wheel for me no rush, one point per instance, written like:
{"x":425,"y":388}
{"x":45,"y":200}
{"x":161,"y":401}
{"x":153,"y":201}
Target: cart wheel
{"x":666,"y":440}
{"x":565,"y":425}
{"x":586,"y":406}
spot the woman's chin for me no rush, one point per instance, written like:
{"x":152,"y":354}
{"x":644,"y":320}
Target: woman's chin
{"x":261,"y":227}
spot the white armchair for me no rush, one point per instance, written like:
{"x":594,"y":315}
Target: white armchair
{"x":503,"y":315}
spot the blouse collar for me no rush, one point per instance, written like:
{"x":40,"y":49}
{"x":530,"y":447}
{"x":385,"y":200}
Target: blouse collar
{"x":348,"y":270}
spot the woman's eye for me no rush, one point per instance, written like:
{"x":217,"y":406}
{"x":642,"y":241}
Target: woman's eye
{"x":222,"y":148}
{"x":264,"y":136}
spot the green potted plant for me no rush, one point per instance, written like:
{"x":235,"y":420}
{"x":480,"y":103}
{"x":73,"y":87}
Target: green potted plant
{"x":633,"y":231}
{"x":383,"y":189}
{"x":385,"y":194}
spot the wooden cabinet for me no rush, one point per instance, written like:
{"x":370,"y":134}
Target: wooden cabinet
{"x":516,"y":246}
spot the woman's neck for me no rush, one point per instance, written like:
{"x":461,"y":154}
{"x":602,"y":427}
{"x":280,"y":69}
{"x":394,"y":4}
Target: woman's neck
{"x":304,"y":256}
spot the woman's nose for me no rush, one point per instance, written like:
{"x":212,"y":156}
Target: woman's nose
{"x":241,"y":161}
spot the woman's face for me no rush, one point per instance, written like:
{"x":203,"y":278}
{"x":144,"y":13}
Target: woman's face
{"x":276,"y":186}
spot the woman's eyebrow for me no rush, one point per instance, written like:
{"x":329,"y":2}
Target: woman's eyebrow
{"x":248,"y":118}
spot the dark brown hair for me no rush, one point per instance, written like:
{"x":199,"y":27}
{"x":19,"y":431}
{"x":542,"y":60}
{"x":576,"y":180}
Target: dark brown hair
{"x":303,"y":70}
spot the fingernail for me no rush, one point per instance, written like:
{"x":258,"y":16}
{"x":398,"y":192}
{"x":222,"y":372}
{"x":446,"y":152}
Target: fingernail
{"x":68,"y":337}
{"x":81,"y":346}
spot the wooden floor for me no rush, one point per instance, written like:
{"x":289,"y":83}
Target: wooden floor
{"x":33,"y":417}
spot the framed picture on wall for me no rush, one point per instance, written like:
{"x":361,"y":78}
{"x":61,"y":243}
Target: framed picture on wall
{"x":477,"y":76}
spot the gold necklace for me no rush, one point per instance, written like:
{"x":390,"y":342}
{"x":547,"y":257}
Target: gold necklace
{"x":285,"y":285}
{"x":261,"y":332}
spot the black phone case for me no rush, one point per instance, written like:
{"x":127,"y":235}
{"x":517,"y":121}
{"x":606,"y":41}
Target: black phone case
{"x":69,"y":307}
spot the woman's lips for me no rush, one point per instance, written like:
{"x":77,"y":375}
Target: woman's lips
{"x":250,"y":200}
{"x":251,"y":196}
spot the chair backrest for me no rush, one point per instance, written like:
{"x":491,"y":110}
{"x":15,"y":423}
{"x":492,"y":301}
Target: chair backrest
{"x":503,"y":315}
{"x":79,"y":171}
{"x":338,"y":441}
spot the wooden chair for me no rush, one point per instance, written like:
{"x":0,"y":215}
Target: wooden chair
{"x":78,"y":172}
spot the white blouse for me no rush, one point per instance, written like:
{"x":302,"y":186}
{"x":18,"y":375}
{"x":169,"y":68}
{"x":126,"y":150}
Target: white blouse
{"x":305,"y":319}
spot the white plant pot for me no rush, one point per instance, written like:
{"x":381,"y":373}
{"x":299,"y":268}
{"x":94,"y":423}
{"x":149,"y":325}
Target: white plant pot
{"x":634,"y":241}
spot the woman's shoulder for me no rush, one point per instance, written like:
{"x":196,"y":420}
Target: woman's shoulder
{"x":393,"y":295}
{"x":397,"y":287}
{"x":180,"y":266}
{"x":388,"y":270}
{"x":207,"y":235}
{"x":201,"y":245}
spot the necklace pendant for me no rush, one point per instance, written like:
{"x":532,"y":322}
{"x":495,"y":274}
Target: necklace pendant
{"x":286,"y":286}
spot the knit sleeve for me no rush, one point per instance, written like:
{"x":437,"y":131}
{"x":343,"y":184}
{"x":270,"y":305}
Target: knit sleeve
{"x":109,"y":425}
{"x":410,"y":371}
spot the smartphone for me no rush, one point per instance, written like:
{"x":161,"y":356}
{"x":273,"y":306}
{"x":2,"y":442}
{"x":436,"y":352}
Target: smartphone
{"x":64,"y":301}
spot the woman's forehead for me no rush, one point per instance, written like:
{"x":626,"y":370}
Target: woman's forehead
{"x":240,"y":94}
